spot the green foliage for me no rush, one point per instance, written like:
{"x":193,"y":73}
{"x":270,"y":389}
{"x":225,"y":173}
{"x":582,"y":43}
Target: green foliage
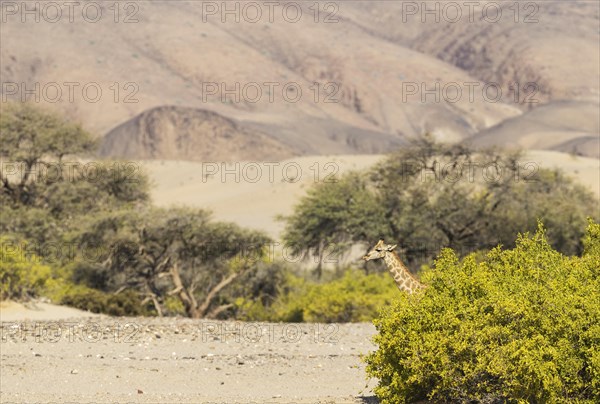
{"x":522,"y":325}
{"x":28,"y":133}
{"x":352,"y":298}
{"x":430,"y":195}
{"x":332,"y":213}
{"x":28,"y":136}
{"x":177,"y":259}
{"x":553,"y":198}
{"x":158,"y":251}
{"x":22,"y":275}
{"x":173,"y":306}
{"x":126,"y":303}
{"x":42,"y":196}
{"x":438,"y":195}
{"x":591,"y":240}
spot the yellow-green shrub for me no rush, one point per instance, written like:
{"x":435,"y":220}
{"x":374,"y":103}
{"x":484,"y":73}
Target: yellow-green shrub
{"x":351,"y":298}
{"x":354,"y":297}
{"x":22,"y":275}
{"x":523,"y":325}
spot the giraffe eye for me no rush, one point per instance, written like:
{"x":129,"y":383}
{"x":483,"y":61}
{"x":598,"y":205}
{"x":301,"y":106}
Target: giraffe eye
{"x":378,"y":249}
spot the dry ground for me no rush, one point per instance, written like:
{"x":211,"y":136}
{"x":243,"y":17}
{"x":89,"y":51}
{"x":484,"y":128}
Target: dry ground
{"x":88,"y":358}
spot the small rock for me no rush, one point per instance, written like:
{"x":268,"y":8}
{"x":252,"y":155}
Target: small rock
{"x":74,"y":371}
{"x":140,"y":391}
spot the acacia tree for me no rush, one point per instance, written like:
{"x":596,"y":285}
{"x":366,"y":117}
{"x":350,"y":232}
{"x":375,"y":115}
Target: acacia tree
{"x":443,"y":195}
{"x":42,"y":195}
{"x":332,"y":215}
{"x":428,"y":196}
{"x":30,"y":138}
{"x":171,"y":252}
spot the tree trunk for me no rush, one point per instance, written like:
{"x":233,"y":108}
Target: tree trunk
{"x":156,"y":305}
{"x":203,"y":309}
{"x":186,"y":295}
{"x":154,"y":299}
{"x":319,"y":269}
{"x":187,"y":298}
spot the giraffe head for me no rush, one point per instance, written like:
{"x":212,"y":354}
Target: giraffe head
{"x":379,"y":251}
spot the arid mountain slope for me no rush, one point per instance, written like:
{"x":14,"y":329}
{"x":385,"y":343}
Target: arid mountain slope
{"x":553,"y":44}
{"x":352,"y":78}
{"x":186,"y":133}
{"x":568,"y":126}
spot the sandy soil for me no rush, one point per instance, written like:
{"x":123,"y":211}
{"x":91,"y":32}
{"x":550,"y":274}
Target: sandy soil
{"x":250,"y":194}
{"x":246,"y":193}
{"x":91,"y":358}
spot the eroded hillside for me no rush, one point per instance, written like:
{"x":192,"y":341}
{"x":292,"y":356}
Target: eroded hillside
{"x":352,"y":77}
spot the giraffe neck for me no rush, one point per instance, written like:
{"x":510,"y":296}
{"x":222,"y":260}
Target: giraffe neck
{"x":404,"y":280}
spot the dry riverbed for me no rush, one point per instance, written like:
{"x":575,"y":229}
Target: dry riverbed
{"x":147,"y":360}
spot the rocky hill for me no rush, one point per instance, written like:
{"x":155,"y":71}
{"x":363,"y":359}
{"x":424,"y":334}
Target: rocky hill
{"x":568,"y":126}
{"x":178,"y":133}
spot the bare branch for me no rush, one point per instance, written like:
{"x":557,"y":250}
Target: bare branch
{"x":213,"y":293}
{"x":214,"y":313}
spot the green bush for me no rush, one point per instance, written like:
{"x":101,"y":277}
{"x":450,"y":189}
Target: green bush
{"x":126,"y":303}
{"x":522,"y":325}
{"x":22,"y":275}
{"x":352,"y":298}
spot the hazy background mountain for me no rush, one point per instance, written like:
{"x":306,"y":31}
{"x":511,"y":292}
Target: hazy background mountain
{"x":166,"y":63}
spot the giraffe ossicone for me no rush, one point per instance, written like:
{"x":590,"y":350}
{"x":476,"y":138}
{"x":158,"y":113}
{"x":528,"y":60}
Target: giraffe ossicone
{"x":402,"y":276}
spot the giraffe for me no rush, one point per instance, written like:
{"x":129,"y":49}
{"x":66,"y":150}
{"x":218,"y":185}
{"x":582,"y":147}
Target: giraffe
{"x":404,"y":280}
